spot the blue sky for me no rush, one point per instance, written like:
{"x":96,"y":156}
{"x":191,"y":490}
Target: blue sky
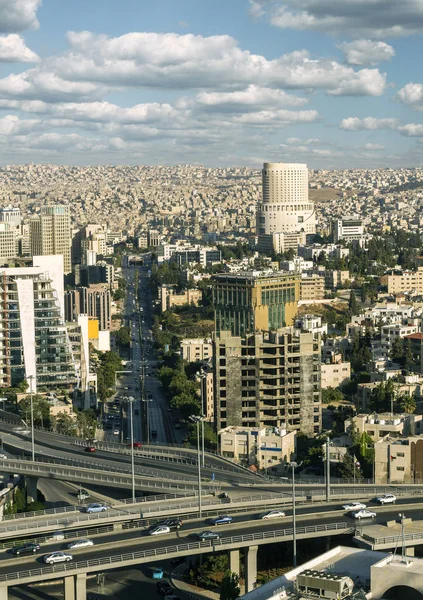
{"x":333,"y":83}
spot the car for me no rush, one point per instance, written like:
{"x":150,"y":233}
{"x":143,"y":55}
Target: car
{"x":386,"y":499}
{"x":154,"y":432}
{"x":363,"y":514}
{"x":172,"y":597}
{"x":83,"y":495}
{"x":149,"y":396}
{"x":173,"y":523}
{"x":3,"y":456}
{"x":136,"y":411}
{"x":26,"y":549}
{"x":220,"y":520}
{"x":203,"y":536}
{"x":96,"y":507}
{"x":164,"y":588}
{"x":353,"y":506}
{"x":90,"y":449}
{"x":158,"y":573}
{"x":159,"y":530}
{"x":82,"y":543}
{"x":116,"y":431}
{"x":272,"y":514}
{"x":56,"y":557}
{"x":136,"y":445}
{"x":177,"y":425}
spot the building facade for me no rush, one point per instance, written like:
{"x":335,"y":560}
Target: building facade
{"x":196,"y":349}
{"x":406,"y":281}
{"x":271,"y":379}
{"x":254,"y":301}
{"x":94,"y":302}
{"x":50,"y":233}
{"x":348,"y":229}
{"x":34,"y":343}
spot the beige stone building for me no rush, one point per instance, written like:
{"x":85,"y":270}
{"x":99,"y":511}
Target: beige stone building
{"x":399,"y":460}
{"x":268,"y":449}
{"x":407,"y":281}
{"x":312,"y":287}
{"x":194,"y":349}
{"x":50,"y":233}
{"x":170,"y":298}
{"x":335,"y":374}
{"x":380,"y":425}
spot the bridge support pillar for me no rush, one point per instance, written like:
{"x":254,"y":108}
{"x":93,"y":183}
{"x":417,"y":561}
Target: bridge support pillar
{"x":4,"y":592}
{"x":234,"y":561}
{"x":81,"y":586}
{"x":250,"y":568}
{"x":31,"y":489}
{"x":69,"y":587}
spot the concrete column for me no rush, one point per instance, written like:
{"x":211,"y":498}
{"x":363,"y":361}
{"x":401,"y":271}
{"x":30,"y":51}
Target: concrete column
{"x":250,"y":568}
{"x":31,"y":489}
{"x":411,"y":551}
{"x":4,"y":592}
{"x":69,"y":587}
{"x":234,"y":561}
{"x":81,"y":586}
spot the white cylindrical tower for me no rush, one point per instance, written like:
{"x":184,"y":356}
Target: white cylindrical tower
{"x":285,"y":207}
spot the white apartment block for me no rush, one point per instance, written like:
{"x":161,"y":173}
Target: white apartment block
{"x":335,"y":375}
{"x":268,"y":449}
{"x":196,"y":349}
{"x":348,"y":229}
{"x":407,"y":281}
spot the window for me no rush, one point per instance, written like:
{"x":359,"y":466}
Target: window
{"x":400,"y":454}
{"x":400,"y":469}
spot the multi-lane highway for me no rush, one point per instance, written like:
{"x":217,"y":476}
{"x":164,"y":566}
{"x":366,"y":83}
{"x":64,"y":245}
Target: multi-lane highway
{"x":137,"y":540}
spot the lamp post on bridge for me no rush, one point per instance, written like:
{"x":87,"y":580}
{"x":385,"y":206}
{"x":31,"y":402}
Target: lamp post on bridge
{"x":294,"y":465}
{"x":130,"y":400}
{"x":31,"y":395}
{"x":197,"y":419}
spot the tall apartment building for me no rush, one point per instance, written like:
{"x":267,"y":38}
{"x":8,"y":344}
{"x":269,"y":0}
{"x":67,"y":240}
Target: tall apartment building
{"x":50,"y":233}
{"x":33,"y":338}
{"x":271,"y":379}
{"x":11,"y":214}
{"x":285,"y":207}
{"x":348,"y":229}
{"x":94,"y":301}
{"x":90,"y":237}
{"x":8,"y":241}
{"x":254,"y":301}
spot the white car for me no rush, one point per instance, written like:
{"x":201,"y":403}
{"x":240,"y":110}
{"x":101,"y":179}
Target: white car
{"x":159,"y":530}
{"x":353,"y":506}
{"x":56,"y":557}
{"x":84,"y":543}
{"x":386,"y":499}
{"x":363,"y":514}
{"x":272,"y":514}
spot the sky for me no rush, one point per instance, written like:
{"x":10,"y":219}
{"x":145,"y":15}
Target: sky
{"x":336,"y":84}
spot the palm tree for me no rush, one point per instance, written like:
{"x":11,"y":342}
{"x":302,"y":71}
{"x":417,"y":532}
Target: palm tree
{"x":407,"y":403}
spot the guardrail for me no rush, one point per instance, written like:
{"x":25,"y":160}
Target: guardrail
{"x":392,"y":539}
{"x":150,"y":555}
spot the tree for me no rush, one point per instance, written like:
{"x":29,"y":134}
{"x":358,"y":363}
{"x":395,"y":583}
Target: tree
{"x":406,"y":403}
{"x":330,"y":395}
{"x":229,"y":589}
{"x":350,"y":467}
{"x":352,"y":304}
{"x":397,"y":351}
{"x":41,"y":409}
{"x":123,"y":337}
{"x":64,"y":424}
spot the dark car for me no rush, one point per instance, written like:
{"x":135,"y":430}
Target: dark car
{"x":26,"y":549}
{"x":173,"y":523}
{"x":164,"y":588}
{"x":204,"y":536}
{"x":90,"y":449}
{"x":221,"y":520}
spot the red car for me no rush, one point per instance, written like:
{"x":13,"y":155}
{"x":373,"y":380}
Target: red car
{"x":136,"y":445}
{"x":90,"y":449}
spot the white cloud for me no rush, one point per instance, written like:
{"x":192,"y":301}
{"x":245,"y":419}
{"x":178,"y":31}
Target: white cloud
{"x":249,"y":99}
{"x":12,"y":125}
{"x":412,"y":95}
{"x":373,"y":18}
{"x":14,"y":49}
{"x":18,"y":15}
{"x":366,"y":52}
{"x":282,"y":117}
{"x":370,"y":146}
{"x":367,"y":82}
{"x":187,"y":61}
{"x":368,"y":123}
{"x":411,"y":130}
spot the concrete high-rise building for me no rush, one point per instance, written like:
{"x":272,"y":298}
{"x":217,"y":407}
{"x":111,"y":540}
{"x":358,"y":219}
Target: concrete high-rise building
{"x":95,"y":302}
{"x":50,"y":233}
{"x":255,"y":301}
{"x":8,"y":241}
{"x":348,"y":229}
{"x":11,"y":214}
{"x":33,"y":336}
{"x":270,"y":379}
{"x":285,"y":208}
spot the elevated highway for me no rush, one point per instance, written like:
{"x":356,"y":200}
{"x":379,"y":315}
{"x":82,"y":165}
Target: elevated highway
{"x":136,"y":547}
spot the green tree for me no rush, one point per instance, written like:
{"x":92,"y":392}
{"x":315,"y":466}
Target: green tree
{"x":210,"y":435}
{"x":330,"y":395}
{"x":406,"y":403}
{"x":353,"y":304}
{"x":64,"y":424}
{"x":123,"y":337}
{"x":229,"y":588}
{"x":408,"y":355}
{"x":350,"y":467}
{"x":41,"y":409}
{"x":397,"y":351}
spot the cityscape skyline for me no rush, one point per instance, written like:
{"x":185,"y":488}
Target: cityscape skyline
{"x":210,"y":83}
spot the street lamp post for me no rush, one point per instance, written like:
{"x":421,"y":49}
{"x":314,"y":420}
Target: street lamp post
{"x":31,"y":395}
{"x":327,"y":469}
{"x":404,"y":549}
{"x":202,"y":375}
{"x":294,"y":465}
{"x":130,"y":400}
{"x":196,"y":419}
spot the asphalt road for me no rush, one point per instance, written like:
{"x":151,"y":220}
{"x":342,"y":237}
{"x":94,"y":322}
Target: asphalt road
{"x":129,"y":541}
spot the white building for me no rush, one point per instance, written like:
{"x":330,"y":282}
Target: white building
{"x":285,"y":207}
{"x":196,"y":349}
{"x":348,"y":229}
